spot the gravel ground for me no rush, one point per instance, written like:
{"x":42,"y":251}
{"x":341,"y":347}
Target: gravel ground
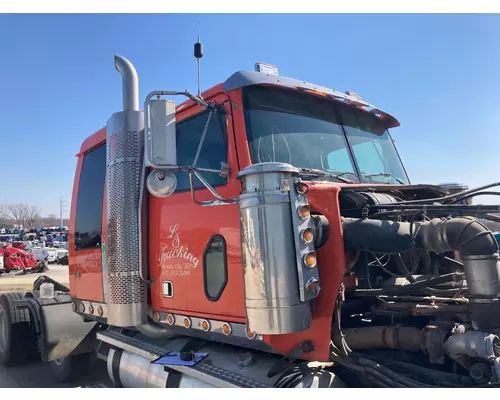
{"x":38,"y":375}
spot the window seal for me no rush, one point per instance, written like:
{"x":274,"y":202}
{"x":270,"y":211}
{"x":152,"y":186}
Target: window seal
{"x":205,"y":280}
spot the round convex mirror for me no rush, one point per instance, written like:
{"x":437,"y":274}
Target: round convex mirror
{"x":161,"y":184}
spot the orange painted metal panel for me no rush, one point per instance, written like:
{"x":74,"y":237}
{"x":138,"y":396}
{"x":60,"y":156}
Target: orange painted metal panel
{"x":323,"y":198}
{"x":179,"y":233}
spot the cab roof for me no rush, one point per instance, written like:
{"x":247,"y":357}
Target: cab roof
{"x":248,"y":78}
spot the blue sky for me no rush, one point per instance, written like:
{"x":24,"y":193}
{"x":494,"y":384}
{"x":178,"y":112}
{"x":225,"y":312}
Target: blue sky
{"x":438,"y":74}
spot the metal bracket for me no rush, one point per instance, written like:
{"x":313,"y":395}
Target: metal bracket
{"x":225,"y":171}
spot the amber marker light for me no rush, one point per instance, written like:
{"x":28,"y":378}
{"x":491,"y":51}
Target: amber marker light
{"x":100,"y":311}
{"x":90,"y":309}
{"x":170,"y":319}
{"x":186,"y":322}
{"x":73,"y":307}
{"x":156,"y":317}
{"x":310,"y":259}
{"x":205,"y":325}
{"x":304,"y":212}
{"x":250,"y":334}
{"x":226,"y":329}
{"x":307,"y":235}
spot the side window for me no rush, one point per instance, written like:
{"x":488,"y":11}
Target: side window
{"x":215,"y":267}
{"x":89,"y":201}
{"x":213,"y":151}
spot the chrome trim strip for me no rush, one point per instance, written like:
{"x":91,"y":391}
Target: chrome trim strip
{"x":237,"y":330}
{"x":216,"y":326}
{"x":88,"y":304}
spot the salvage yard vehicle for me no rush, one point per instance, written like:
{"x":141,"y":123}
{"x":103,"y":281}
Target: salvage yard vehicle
{"x":263,"y":225}
{"x":19,"y":261}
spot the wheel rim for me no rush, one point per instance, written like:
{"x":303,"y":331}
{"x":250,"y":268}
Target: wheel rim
{"x":3,"y":329}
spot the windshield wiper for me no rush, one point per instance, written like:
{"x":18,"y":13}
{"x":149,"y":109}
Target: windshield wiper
{"x":384,"y":174}
{"x":319,"y":172}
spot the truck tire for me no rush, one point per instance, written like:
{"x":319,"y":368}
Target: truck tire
{"x":71,"y":368}
{"x":15,"y":331}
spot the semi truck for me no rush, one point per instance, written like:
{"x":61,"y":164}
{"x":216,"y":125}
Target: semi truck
{"x":263,"y":233}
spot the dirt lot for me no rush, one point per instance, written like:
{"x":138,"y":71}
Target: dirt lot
{"x":11,"y":283}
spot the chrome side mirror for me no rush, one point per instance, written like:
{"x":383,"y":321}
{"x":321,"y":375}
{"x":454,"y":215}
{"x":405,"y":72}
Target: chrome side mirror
{"x":160,"y":134}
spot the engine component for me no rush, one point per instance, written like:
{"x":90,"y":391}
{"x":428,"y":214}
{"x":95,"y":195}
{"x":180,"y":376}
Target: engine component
{"x":378,"y":198}
{"x":388,"y":337}
{"x":274,"y":267}
{"x":127,"y":305}
{"x":429,"y":340}
{"x":309,"y":375}
{"x":476,"y":243}
{"x":403,"y":281}
{"x":321,"y":230}
{"x":353,"y":204}
{"x":474,"y":344}
{"x":479,"y":372}
{"x":457,"y":188}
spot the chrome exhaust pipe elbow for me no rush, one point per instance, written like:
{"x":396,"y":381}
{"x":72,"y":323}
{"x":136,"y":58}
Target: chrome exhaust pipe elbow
{"x":130,"y":83}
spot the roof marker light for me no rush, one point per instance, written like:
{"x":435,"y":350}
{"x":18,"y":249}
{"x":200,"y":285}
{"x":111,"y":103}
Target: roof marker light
{"x":266,"y":68}
{"x":353,"y":95}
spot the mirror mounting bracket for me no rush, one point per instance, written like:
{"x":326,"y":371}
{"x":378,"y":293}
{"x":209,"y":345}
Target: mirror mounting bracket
{"x":220,"y":199}
{"x":148,"y":148}
{"x":225,"y":171}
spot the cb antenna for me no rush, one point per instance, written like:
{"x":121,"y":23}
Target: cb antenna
{"x":198,"y":53}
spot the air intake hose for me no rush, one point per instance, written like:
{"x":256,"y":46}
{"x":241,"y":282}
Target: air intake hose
{"x":475,"y":242}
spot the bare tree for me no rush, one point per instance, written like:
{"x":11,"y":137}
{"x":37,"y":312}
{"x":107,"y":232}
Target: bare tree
{"x":32,"y":217}
{"x":4,"y":215}
{"x":19,"y":212}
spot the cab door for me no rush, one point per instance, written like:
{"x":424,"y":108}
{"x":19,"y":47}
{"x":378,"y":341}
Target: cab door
{"x":85,"y":258}
{"x":195,"y":256}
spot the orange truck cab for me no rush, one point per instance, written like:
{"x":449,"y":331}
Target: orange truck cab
{"x":221,"y":242}
{"x":194,"y":253}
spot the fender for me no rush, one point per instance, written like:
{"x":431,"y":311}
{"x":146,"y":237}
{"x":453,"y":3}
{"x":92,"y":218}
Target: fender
{"x":59,"y":331}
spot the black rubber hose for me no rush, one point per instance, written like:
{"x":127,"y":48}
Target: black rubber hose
{"x":475,"y":195}
{"x":491,"y":217}
{"x":412,"y":287}
{"x":454,"y":195}
{"x":467,"y":235}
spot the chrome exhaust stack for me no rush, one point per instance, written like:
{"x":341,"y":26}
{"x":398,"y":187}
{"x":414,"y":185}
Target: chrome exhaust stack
{"x":127,"y":300}
{"x":126,"y":197}
{"x":130,"y":83}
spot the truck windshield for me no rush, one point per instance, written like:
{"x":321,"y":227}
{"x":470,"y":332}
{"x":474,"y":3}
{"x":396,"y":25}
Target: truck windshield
{"x":314,"y":133}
